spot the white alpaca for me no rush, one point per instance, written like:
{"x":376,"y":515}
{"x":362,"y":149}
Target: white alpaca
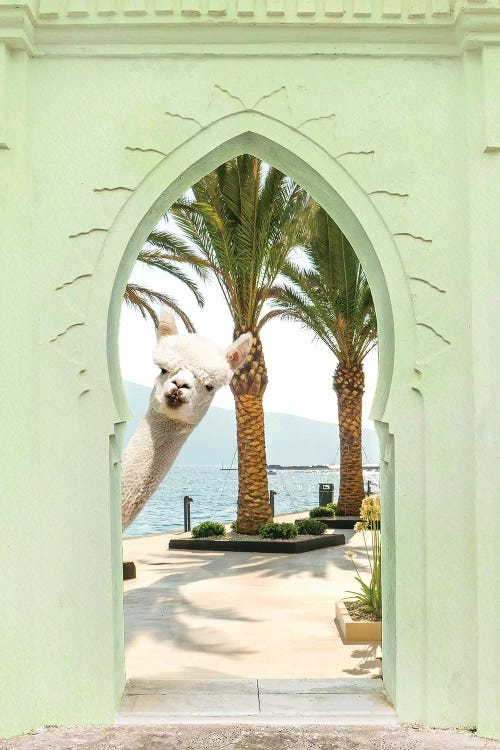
{"x":192,"y":369}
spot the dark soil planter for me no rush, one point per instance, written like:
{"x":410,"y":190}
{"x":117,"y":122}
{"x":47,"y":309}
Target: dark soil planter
{"x":129,"y":571}
{"x":340,"y":522}
{"x":291,"y":546}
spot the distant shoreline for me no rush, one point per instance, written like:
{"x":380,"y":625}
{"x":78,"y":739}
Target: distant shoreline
{"x":316,"y":467}
{"x":215,"y":495}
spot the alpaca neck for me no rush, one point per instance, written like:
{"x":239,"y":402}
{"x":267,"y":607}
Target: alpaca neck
{"x":147,"y":458}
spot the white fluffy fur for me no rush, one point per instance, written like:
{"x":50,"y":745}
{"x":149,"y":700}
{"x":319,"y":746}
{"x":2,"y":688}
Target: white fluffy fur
{"x":195,"y":369}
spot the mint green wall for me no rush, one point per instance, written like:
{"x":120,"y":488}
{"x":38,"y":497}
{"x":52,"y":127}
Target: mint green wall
{"x":107,"y":113}
{"x":482,"y":77}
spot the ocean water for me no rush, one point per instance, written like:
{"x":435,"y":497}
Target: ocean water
{"x":214,"y":493}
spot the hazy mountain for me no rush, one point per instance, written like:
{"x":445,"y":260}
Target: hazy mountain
{"x":289,"y":439}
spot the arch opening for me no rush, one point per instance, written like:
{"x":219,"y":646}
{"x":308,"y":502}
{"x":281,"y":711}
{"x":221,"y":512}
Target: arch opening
{"x":328,"y":183}
{"x":331,"y":186}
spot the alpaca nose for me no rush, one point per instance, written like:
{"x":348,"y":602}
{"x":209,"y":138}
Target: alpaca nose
{"x":181,"y":382}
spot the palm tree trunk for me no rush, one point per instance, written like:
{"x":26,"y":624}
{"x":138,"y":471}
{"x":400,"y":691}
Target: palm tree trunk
{"x":253,"y":497}
{"x":248,"y":386}
{"x":349,"y":385}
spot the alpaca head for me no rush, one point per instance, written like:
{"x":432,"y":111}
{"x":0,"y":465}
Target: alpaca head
{"x":192,"y":369}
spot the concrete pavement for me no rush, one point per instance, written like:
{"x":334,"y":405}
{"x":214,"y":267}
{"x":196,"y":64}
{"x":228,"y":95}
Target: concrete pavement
{"x":239,"y":615}
{"x":255,"y":626}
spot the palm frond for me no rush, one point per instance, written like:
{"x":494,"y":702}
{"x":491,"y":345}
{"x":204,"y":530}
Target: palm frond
{"x":158,"y":259}
{"x":175,"y":248}
{"x":330,"y":295}
{"x":142,"y":298}
{"x":242,"y":221}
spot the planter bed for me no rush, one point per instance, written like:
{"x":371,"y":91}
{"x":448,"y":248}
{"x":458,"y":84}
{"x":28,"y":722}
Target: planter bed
{"x":253,"y":544}
{"x":338,"y":522}
{"x":356,"y":631}
{"x":129,"y":571}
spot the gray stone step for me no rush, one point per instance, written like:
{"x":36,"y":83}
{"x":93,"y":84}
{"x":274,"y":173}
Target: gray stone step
{"x":256,"y":701}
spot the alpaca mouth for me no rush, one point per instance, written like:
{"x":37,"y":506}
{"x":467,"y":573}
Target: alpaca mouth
{"x":174,"y":401}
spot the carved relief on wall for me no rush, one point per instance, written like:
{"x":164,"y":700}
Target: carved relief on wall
{"x":392,"y":201}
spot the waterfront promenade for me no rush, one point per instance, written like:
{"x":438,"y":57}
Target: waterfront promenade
{"x":239,"y":615}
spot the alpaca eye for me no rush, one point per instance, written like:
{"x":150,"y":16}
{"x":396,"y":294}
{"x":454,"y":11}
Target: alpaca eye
{"x":209,"y":387}
{"x":163,"y":371}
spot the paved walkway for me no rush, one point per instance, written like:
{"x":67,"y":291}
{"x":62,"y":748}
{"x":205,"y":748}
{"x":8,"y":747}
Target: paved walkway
{"x":252,"y":625}
{"x":226,"y":615}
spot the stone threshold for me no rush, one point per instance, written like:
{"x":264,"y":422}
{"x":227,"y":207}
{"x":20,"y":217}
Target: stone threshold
{"x":338,"y":702}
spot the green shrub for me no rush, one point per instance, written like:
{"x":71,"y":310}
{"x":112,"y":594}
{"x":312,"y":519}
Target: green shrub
{"x":370,"y":595}
{"x":323,"y":511}
{"x":234,"y":526}
{"x":208,"y":528}
{"x":278,"y":531}
{"x":310,"y":526}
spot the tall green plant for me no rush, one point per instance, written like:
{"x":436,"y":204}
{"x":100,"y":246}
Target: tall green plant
{"x":239,"y":223}
{"x":370,"y":594}
{"x":331,"y":297}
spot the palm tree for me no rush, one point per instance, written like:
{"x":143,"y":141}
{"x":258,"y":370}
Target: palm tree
{"x":240,"y":222}
{"x":331,"y":297}
{"x":143,"y":298}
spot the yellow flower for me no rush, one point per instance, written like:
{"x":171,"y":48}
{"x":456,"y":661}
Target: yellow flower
{"x":350,"y":555}
{"x":370,"y":508}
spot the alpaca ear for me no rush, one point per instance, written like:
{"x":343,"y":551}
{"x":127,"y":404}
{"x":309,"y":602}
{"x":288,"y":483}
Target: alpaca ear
{"x":166,"y":326}
{"x":237,"y":353}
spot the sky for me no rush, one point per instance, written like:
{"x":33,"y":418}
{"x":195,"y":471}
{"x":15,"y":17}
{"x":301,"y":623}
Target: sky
{"x":300,"y":369}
